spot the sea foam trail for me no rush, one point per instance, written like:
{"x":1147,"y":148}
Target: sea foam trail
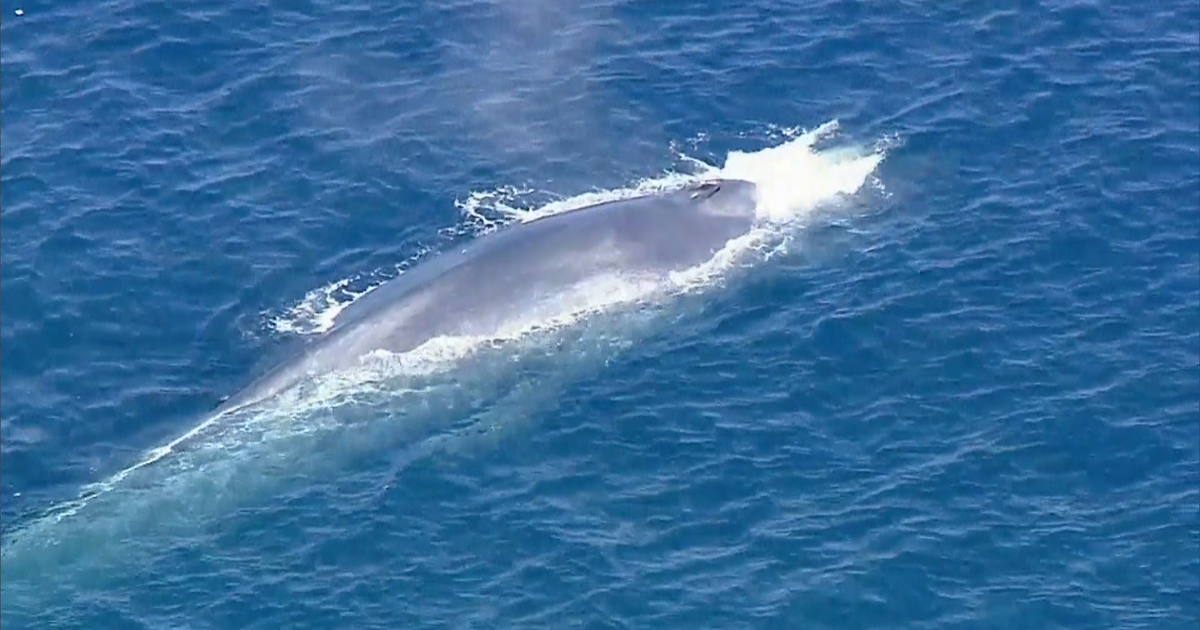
{"x":396,"y":399}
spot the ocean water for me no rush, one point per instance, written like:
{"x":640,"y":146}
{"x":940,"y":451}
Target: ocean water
{"x":952,"y":380}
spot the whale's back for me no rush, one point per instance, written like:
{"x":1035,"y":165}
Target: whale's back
{"x":477,"y":287}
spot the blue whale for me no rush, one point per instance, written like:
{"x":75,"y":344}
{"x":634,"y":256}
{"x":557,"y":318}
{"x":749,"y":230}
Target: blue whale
{"x":473,"y":289}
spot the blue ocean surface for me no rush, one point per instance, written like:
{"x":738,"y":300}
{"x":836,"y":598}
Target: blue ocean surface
{"x":952,"y":380}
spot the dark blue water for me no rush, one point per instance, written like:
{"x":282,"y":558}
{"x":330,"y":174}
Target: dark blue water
{"x":963,"y":390}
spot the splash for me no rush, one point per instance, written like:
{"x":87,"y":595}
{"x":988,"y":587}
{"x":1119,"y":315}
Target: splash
{"x":794,"y":179}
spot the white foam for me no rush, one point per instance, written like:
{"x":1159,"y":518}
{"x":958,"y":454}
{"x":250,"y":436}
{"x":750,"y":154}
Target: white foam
{"x":315,"y":313}
{"x":793,"y":179}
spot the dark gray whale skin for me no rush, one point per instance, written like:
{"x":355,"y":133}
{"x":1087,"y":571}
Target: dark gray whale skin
{"x":475,"y":287}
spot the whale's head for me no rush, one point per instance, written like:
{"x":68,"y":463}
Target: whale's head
{"x":725,"y":197}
